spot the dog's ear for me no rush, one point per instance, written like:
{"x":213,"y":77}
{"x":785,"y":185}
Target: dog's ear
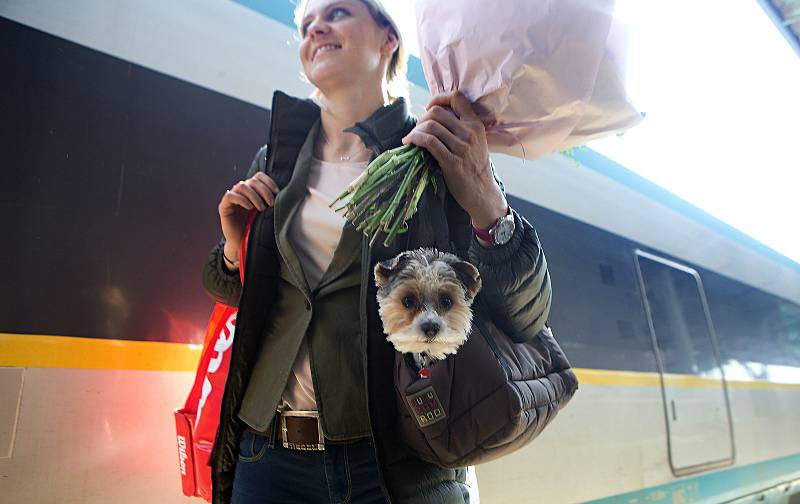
{"x":469,"y":276}
{"x":385,"y":270}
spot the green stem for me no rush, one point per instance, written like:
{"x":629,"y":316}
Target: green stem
{"x":373,"y":166}
{"x":402,"y":171}
{"x":411,"y":208}
{"x":356,"y":210}
{"x":406,"y":194}
{"x":367,"y":224}
{"x":388,"y":171}
{"x":395,"y":202}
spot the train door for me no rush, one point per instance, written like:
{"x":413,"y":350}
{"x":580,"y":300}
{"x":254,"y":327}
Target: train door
{"x":699,"y":427}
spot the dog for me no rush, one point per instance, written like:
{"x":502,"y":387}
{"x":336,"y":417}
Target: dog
{"x":425,"y":298}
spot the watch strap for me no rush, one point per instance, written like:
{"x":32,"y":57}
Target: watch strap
{"x":484,"y":234}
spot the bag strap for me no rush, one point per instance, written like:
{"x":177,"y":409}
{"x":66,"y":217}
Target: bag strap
{"x":245,"y":239}
{"x":220,"y":311}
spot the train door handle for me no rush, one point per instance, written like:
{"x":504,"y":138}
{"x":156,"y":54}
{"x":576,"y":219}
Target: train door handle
{"x":674,"y":417}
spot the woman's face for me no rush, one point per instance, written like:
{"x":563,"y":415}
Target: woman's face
{"x":342,"y":45}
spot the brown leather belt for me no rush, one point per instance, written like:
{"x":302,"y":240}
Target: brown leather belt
{"x":298,"y":430}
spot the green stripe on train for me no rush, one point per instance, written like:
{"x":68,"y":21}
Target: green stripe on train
{"x":717,"y":486}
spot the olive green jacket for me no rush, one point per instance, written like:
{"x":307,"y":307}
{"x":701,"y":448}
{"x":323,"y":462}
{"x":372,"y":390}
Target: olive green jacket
{"x":352,"y":371}
{"x":328,"y":317}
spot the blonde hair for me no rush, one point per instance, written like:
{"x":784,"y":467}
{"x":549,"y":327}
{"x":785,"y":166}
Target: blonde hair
{"x":395,"y":78}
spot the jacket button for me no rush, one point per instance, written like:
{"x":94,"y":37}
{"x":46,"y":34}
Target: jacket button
{"x":308,"y":305}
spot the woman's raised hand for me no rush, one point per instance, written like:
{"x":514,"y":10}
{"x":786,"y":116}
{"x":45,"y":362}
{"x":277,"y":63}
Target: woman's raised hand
{"x":258,"y":192}
{"x":455,"y":136}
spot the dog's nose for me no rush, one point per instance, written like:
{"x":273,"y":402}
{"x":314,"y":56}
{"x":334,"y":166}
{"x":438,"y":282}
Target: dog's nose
{"x":431,"y":329}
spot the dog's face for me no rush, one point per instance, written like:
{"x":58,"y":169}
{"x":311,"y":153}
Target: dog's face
{"x":425,"y":297}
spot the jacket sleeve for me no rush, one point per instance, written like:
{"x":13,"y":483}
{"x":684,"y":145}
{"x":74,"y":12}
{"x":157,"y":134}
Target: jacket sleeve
{"x":516,"y":284}
{"x":219,"y":283}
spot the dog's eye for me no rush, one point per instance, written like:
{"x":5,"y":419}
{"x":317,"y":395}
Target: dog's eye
{"x":445,"y":302}
{"x":409,"y":302}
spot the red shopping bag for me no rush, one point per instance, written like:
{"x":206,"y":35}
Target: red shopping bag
{"x":196,"y":423}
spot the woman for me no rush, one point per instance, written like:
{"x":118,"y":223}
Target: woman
{"x":309,"y":409}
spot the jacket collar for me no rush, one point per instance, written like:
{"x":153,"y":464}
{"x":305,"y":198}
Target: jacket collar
{"x":386,"y":127}
{"x":292,"y":118}
{"x":293,"y":127}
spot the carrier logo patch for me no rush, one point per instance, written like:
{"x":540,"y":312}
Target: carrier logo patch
{"x":426,"y":407}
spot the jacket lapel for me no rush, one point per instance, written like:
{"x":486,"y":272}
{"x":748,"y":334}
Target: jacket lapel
{"x":347,"y":251}
{"x":286,"y":204}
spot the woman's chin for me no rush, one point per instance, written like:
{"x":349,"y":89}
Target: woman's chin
{"x":331,"y":81}
{"x":327,"y":73}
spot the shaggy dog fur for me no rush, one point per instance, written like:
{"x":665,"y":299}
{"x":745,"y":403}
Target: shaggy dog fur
{"x":425,"y":298}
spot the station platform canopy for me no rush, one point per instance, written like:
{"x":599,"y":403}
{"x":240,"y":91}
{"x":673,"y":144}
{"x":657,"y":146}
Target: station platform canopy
{"x":786,"y":16}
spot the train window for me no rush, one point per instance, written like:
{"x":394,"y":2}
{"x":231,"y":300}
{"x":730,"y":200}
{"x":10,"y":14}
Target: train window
{"x":757,"y":331}
{"x":791,"y":320}
{"x":607,"y":274}
{"x":679,"y":318}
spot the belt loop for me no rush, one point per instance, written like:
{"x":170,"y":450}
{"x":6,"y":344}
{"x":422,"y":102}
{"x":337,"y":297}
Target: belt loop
{"x":274,"y":426}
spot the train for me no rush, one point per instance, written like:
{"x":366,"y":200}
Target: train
{"x":123,"y":124}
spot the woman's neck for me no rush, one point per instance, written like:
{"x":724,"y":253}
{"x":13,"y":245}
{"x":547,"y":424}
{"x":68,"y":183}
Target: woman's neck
{"x":340,"y":111}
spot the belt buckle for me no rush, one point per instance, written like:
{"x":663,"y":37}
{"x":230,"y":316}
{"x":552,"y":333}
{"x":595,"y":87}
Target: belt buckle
{"x":319,"y":446}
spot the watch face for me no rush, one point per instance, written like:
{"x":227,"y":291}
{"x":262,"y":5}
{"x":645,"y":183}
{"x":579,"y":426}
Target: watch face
{"x":503,"y":231}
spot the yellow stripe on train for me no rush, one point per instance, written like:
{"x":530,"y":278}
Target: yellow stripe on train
{"x":27,"y":350}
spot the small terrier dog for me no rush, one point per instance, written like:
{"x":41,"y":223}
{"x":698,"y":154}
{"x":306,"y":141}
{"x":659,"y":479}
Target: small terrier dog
{"x":425,"y":298}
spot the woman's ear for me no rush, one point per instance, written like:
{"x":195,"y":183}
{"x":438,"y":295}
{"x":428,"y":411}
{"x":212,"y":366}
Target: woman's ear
{"x":390,"y":43}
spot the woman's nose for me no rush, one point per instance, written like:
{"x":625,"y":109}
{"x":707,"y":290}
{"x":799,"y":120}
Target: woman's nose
{"x":318,"y":27}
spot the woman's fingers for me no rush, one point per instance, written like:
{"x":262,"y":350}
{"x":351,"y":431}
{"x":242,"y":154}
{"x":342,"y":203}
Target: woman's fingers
{"x":263,"y":177}
{"x":438,"y":150}
{"x":454,"y":144}
{"x":248,"y":192}
{"x":262,"y":189}
{"x":458,"y":102}
{"x":256,"y":192}
{"x":231,"y":198}
{"x":463,"y":107}
{"x":458,"y":135}
{"x":448,"y":119}
{"x":441,"y":99}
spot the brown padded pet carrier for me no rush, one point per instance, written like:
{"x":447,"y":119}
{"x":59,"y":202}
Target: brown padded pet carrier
{"x":491,"y":398}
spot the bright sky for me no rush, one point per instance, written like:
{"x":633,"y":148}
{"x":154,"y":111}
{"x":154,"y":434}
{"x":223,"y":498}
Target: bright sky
{"x":721,"y":89}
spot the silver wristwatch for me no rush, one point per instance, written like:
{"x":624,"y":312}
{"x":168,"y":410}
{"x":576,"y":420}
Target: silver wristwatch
{"x":503,"y":229}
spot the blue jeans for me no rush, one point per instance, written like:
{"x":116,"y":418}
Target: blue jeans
{"x":268,"y":473}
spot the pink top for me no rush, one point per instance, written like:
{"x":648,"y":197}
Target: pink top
{"x":314,"y":233}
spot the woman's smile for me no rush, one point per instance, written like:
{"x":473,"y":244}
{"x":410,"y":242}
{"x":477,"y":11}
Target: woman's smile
{"x":323,"y":49}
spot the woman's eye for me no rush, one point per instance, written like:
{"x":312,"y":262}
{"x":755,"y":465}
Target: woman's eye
{"x":445,"y":302}
{"x":409,"y":302}
{"x":333,"y":15}
{"x":337,"y":13}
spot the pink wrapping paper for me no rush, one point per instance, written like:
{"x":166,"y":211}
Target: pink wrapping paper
{"x":545,"y":75}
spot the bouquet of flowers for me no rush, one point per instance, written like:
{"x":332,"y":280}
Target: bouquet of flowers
{"x":543,"y":76}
